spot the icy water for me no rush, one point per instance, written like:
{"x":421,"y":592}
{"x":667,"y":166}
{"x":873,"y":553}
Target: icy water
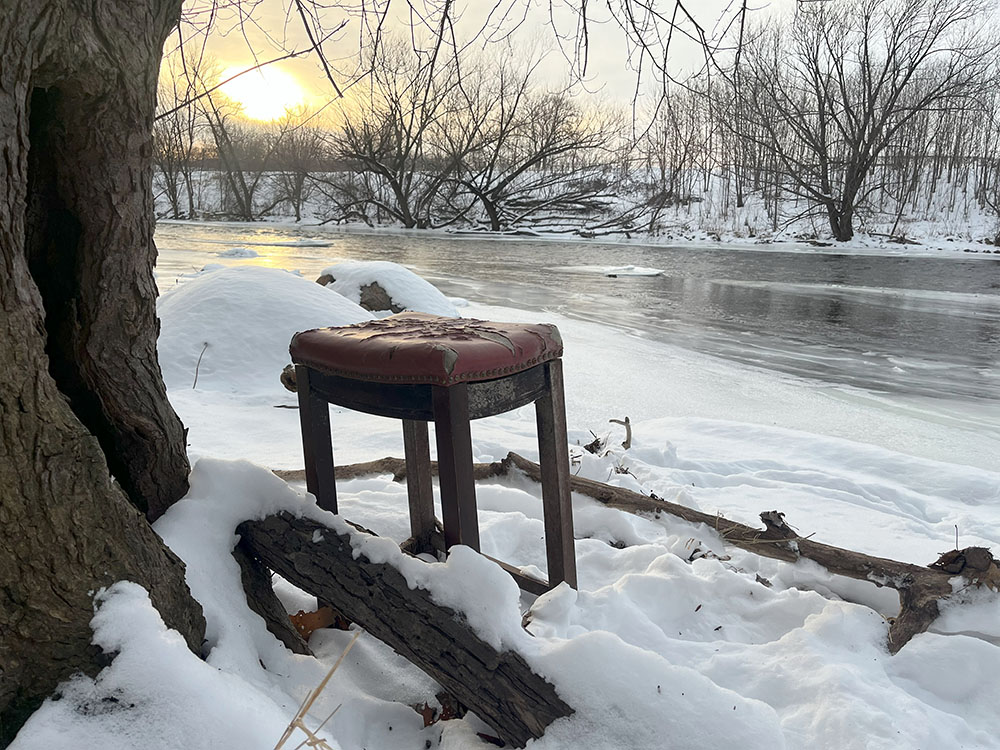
{"x":919,"y":330}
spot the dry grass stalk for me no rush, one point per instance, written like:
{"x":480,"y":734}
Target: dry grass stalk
{"x":298,"y":721}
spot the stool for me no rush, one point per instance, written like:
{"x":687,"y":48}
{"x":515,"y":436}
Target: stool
{"x":419,"y":368}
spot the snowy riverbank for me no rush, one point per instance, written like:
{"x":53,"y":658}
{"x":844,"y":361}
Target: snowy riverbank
{"x":660,"y":647}
{"x":928,"y":242}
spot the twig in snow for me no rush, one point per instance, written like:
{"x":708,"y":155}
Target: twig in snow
{"x":627,"y":443}
{"x":197,"y":365}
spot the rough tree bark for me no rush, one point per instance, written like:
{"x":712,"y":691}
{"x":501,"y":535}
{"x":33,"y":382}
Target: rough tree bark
{"x":498,"y":686}
{"x":86,"y":433}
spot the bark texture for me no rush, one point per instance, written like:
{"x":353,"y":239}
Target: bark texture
{"x":499,"y":686}
{"x":86,"y":433}
{"x":89,"y":228}
{"x":256,"y":579}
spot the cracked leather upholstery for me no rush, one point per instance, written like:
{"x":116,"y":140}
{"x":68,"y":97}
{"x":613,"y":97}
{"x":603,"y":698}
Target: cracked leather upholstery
{"x":421,"y":348}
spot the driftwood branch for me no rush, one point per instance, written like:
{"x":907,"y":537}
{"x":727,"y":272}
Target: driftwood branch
{"x":627,"y":442}
{"x":920,"y":588}
{"x":499,"y":686}
{"x":389,"y":465}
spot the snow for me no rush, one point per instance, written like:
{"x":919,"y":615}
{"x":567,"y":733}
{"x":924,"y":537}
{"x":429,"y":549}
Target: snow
{"x":946,"y":222}
{"x":405,"y":288}
{"x":156,"y":693}
{"x":930,"y":244}
{"x":227,"y":329}
{"x":673,"y":638}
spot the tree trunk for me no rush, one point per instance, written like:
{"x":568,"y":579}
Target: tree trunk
{"x":841,"y":222}
{"x":843,"y":228}
{"x":85,"y":426}
{"x":491,"y":211}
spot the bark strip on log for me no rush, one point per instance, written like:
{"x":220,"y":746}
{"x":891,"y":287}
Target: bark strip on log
{"x":256,"y":578}
{"x":920,"y":588}
{"x":498,"y":686}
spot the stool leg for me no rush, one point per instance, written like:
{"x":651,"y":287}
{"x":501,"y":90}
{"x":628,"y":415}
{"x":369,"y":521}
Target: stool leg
{"x":557,"y":507}
{"x":317,"y":445}
{"x":454,"y":446}
{"x":419,"y":488}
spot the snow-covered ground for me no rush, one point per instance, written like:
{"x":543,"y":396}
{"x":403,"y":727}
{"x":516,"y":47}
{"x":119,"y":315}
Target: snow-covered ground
{"x":931,"y":242}
{"x":660,"y":647}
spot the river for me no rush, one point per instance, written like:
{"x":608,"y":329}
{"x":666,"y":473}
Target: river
{"x":916,"y":329}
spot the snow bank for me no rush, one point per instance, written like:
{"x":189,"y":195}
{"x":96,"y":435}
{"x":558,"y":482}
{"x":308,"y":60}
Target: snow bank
{"x":407,"y":290}
{"x":158,"y":695}
{"x":654,"y":645}
{"x":238,"y":322}
{"x":248,"y":688}
{"x":155,"y":694}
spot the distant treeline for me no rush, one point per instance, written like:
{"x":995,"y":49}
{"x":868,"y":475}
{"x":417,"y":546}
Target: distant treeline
{"x":847,"y":115}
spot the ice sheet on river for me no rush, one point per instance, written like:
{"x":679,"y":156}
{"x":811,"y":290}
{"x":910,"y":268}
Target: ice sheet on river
{"x":609,"y":270}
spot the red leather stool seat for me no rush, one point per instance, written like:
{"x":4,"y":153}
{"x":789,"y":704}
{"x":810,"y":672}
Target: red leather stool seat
{"x":422,"y":348}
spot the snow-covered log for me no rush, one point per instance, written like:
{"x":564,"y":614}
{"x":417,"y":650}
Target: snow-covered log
{"x":256,"y":579}
{"x":498,"y":686}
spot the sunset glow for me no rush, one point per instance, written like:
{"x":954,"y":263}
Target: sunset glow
{"x":265,"y":93}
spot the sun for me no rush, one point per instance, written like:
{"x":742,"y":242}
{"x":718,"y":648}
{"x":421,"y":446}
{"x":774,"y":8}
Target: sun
{"x":264,"y":94}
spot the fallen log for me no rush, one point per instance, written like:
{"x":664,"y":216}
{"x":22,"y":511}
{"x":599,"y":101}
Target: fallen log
{"x":498,"y":686}
{"x":387,"y":465}
{"x":920,"y":588}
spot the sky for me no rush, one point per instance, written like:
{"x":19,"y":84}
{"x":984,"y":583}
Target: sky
{"x":273,"y":29}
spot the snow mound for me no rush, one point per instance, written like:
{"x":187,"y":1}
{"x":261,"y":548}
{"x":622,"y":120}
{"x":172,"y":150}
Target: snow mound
{"x":156,"y":693}
{"x":239,"y":252}
{"x":238,"y":323}
{"x":406,"y":290}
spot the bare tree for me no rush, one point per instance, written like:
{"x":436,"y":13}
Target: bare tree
{"x":524,"y":152}
{"x":833,"y":88}
{"x":246,"y":153}
{"x":386,"y":135}
{"x":297,"y":157}
{"x":674,"y":150}
{"x":177,"y":149}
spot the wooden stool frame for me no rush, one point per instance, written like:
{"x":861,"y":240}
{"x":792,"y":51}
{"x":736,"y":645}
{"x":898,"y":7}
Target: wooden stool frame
{"x":451,"y":408}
